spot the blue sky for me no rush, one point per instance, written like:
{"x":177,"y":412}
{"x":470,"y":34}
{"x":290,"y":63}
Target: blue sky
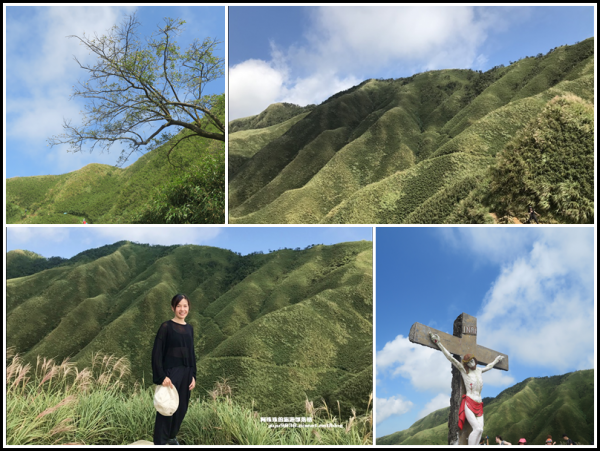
{"x":68,"y":241}
{"x":531,"y":289}
{"x":41,"y":71}
{"x":304,"y":55}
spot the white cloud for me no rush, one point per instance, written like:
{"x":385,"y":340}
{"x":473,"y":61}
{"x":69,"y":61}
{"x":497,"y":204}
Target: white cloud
{"x":253,"y":86}
{"x":435,"y":36}
{"x":426,"y":368}
{"x":391,"y":406}
{"x":256,"y":84}
{"x":42,"y":82}
{"x":160,"y":235}
{"x":504,"y":245}
{"x":439,"y":402}
{"x":316,"y":88}
{"x":346,"y":45}
{"x":497,"y":378}
{"x":497,"y":245}
{"x":25,"y":235}
{"x":540,"y":310}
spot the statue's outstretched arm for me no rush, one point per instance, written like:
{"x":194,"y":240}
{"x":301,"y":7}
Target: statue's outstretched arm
{"x":493,"y":364}
{"x":436,"y":339}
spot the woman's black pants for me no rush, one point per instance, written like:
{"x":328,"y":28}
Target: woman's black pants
{"x":166,"y":428}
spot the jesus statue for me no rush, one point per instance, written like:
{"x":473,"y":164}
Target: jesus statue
{"x":471,"y":407}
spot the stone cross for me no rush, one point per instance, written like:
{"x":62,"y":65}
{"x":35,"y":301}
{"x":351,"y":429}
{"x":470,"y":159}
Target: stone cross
{"x":463,"y":341}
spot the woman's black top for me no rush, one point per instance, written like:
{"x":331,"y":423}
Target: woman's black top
{"x":173,"y":346}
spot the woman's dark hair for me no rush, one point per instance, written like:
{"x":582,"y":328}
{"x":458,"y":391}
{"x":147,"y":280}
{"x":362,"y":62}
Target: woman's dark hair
{"x":177,"y":299}
{"x":499,"y":438}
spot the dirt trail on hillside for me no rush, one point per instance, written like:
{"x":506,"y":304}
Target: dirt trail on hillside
{"x":495,"y":218}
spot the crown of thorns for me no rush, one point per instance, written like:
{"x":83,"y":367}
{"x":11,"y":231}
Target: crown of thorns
{"x":467,"y":358}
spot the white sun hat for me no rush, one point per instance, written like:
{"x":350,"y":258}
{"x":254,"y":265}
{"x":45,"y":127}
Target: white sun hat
{"x":166,"y":400}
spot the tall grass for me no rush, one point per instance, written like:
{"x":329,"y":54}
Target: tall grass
{"x":58,"y":404}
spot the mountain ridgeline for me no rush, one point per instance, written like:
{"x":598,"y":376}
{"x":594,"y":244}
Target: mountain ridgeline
{"x":532,"y":409}
{"x":181,"y":178}
{"x":447,"y":146}
{"x":279,"y":327}
{"x":21,"y":263}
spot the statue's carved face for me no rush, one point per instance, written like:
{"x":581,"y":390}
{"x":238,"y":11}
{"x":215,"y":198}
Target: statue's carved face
{"x":469,"y":362}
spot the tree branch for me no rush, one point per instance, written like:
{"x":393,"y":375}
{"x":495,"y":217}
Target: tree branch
{"x":124,"y":87}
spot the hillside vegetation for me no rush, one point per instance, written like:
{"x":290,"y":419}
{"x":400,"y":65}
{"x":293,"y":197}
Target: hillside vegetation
{"x":21,"y":263}
{"x":447,"y":146}
{"x":185,"y":186}
{"x":280,"y":327}
{"x":532,"y":409}
{"x":274,"y":114}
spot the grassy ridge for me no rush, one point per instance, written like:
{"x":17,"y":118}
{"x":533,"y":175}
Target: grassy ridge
{"x":281,"y":327}
{"x":274,"y":114}
{"x":328,"y":166}
{"x":245,"y":143}
{"x":105,"y":194}
{"x":533,"y":409}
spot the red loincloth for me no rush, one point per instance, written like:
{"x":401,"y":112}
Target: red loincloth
{"x":474,"y":406}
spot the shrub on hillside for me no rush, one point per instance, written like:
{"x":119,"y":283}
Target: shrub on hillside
{"x":197,"y":197}
{"x":550,"y":165}
{"x":13,"y":212}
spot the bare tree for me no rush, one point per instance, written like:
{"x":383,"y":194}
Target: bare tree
{"x":134,"y":87}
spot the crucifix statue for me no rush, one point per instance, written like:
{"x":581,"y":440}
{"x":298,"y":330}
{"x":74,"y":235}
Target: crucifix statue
{"x":465,"y":421}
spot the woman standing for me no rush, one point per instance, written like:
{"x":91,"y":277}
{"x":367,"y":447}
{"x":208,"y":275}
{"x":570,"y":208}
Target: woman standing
{"x":174,"y":365}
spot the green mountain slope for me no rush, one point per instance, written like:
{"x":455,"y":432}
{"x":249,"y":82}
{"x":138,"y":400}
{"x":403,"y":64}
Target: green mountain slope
{"x":280,"y":327}
{"x":419,"y":149}
{"x":105,"y":194}
{"x":21,"y":263}
{"x":274,"y":114}
{"x":533,"y":409}
{"x":245,"y":143}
